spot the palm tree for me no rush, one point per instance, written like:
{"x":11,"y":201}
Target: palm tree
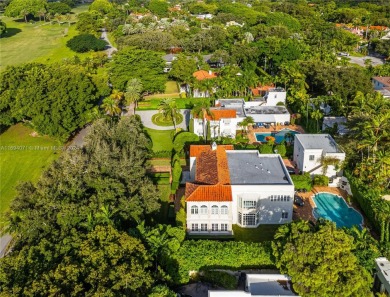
{"x":202,"y":109}
{"x":133,"y":91}
{"x":117,"y":95}
{"x":316,"y":115}
{"x":111,"y":107}
{"x":68,"y":18}
{"x":169,"y":110}
{"x":41,"y":13}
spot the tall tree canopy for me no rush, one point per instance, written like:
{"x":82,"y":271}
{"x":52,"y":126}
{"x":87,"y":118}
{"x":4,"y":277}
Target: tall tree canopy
{"x":71,"y":227}
{"x":23,"y":8}
{"x":320,"y":260}
{"x":55,"y":99}
{"x":146,"y":65}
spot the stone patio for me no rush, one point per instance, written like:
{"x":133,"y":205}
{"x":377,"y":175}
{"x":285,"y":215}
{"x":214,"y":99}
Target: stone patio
{"x":306,"y":212}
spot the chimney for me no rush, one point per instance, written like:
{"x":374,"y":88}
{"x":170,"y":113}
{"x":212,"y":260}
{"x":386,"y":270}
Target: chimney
{"x":210,"y":72}
{"x":214,"y":146}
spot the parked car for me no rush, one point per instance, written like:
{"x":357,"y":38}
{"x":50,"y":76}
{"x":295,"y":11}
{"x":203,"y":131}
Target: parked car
{"x":343,"y":54}
{"x":298,"y":201}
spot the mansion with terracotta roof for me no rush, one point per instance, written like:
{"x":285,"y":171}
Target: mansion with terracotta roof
{"x":231,"y":187}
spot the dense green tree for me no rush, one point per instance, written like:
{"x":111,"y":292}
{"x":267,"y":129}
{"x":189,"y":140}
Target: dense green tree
{"x":101,"y":6}
{"x":58,"y":7}
{"x":23,"y":8}
{"x":55,"y":99}
{"x":86,"y":42}
{"x":149,"y":40}
{"x":111,"y":106}
{"x":70,"y":227}
{"x":89,"y":23}
{"x":182,"y":69}
{"x":158,"y":7}
{"x":3,"y":28}
{"x":145,"y":65}
{"x":320,"y":260}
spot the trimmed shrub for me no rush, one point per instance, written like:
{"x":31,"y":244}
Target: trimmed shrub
{"x":320,"y":180}
{"x":184,"y":138}
{"x":221,"y":279}
{"x":162,"y":154}
{"x":281,"y":149}
{"x":203,"y":255}
{"x":58,"y":7}
{"x":266,"y":149}
{"x":191,"y":125}
{"x":86,"y":42}
{"x":302,"y":181}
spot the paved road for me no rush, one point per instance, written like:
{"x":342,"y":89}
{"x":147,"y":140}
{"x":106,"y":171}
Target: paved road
{"x":360,"y":60}
{"x":146,"y":117}
{"x":4,"y":242}
{"x":109,"y":48}
{"x":78,"y":140}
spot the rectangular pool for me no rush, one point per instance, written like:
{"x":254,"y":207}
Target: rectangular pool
{"x":279,"y":136}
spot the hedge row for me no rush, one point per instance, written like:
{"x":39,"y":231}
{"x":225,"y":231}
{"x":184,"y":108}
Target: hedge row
{"x":203,"y":255}
{"x":221,"y":279}
{"x":375,"y":208}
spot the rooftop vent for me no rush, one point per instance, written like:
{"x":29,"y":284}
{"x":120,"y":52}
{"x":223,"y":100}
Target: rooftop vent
{"x":269,"y":171}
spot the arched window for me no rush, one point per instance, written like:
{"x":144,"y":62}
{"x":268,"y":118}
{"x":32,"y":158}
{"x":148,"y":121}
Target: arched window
{"x":203,"y":210}
{"x":224,"y":210}
{"x":214,"y":209}
{"x":194,"y":209}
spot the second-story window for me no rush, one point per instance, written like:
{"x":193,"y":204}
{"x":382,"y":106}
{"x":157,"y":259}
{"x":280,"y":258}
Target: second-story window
{"x":214,"y":209}
{"x":194,"y":209}
{"x":311,"y":157}
{"x":203,"y":210}
{"x":224,"y":210}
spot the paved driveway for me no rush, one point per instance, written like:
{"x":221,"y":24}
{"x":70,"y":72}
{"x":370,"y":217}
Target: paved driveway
{"x":146,"y":117}
{"x":4,"y":242}
{"x":109,"y":48}
{"x":360,"y":60}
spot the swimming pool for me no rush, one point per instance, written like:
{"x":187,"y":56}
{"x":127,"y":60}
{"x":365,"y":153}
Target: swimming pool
{"x":279,"y":136}
{"x":334,"y":208}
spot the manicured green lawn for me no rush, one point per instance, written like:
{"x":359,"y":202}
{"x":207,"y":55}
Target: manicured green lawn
{"x":259,"y":234}
{"x":37,"y":42}
{"x":22,"y":158}
{"x":165,"y":191}
{"x":171,"y":87}
{"x":162,"y":139}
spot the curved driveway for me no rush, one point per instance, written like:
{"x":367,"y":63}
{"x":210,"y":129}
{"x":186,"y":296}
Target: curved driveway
{"x":146,"y":117}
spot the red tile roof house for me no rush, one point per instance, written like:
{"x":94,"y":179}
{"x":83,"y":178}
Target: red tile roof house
{"x":222,"y":122}
{"x":236,"y":187}
{"x":199,"y":76}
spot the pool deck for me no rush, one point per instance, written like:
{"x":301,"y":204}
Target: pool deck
{"x":306,"y":212}
{"x":252,"y":131}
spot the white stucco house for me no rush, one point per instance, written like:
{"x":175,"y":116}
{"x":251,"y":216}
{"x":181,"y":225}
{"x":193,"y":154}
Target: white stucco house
{"x":382,"y":276}
{"x":311,"y":149}
{"x":236,"y":187}
{"x":267,"y":96}
{"x":222,"y":122}
{"x":265,"y":285}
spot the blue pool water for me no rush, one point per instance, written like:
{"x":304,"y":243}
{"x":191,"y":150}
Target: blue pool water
{"x":279,"y":136}
{"x":334,"y":208}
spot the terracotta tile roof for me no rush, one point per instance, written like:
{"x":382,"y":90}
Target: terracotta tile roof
{"x":196,"y":150}
{"x":385,"y":80}
{"x":208,"y":193}
{"x":212,"y":167}
{"x":218,"y":114}
{"x":203,"y":74}
{"x":257,"y":90}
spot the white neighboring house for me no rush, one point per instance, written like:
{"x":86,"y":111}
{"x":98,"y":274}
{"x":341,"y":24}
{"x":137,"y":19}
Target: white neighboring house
{"x":272,"y":96}
{"x":268,"y":114}
{"x":223,"y":122}
{"x":265,"y":285}
{"x":330,"y":122}
{"x":311,"y":149}
{"x":382,"y":276}
{"x":236,"y":187}
{"x":382,"y":85}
